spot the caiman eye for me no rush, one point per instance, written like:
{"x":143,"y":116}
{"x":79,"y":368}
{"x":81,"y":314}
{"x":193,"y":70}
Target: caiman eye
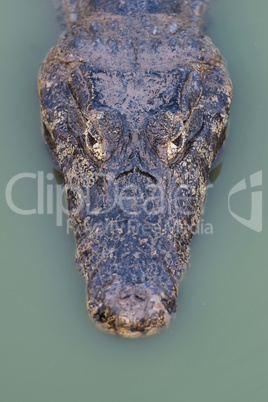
{"x":166,"y":133}
{"x":103,"y":132}
{"x":176,"y":145}
{"x":93,"y":141}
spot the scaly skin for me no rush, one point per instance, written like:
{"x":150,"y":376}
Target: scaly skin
{"x":135,"y":103}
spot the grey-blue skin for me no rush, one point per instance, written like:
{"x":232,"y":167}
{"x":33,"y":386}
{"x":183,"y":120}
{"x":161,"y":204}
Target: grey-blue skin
{"x":135,"y":102}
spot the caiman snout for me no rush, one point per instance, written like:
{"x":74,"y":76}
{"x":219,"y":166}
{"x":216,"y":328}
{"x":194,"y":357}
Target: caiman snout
{"x":132,"y":310}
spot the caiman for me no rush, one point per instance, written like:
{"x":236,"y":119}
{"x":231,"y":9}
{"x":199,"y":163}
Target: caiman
{"x":135,"y":102}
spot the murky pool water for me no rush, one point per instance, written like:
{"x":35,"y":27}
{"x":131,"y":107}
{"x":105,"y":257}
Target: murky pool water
{"x":217,"y":348}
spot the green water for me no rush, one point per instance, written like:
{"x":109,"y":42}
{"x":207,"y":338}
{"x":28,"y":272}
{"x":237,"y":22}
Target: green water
{"x":217,"y":348}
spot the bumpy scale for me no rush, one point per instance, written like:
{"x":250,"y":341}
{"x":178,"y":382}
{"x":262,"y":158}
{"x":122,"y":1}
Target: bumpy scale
{"x":135,"y":102}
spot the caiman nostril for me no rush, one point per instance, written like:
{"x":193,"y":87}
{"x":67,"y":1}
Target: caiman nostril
{"x":124,"y":296}
{"x":125,"y":293}
{"x":140,"y":298}
{"x":140,"y":293}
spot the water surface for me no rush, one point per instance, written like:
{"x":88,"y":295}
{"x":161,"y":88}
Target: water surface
{"x":217,"y":348}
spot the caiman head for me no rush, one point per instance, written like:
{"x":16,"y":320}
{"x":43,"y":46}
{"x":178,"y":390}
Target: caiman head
{"x":135,"y":130}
